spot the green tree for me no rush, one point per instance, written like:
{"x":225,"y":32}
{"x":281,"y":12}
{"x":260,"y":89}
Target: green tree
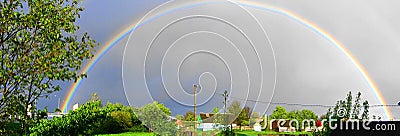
{"x":217,"y":118}
{"x":348,"y":104}
{"x":357,"y":106}
{"x":350,"y":110}
{"x":162,"y":107}
{"x":41,"y":114}
{"x":243,"y":118}
{"x":308,"y":114}
{"x":235,"y":108}
{"x":346,"y":109}
{"x":156,"y":117}
{"x":120,"y":118}
{"x":216,"y":110}
{"x":279,"y":113}
{"x":38,"y":46}
{"x":305,"y":114}
{"x":189,"y":116}
{"x":242,"y":115}
{"x":365,"y":113}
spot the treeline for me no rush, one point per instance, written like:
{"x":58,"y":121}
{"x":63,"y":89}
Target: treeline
{"x":93,"y":118}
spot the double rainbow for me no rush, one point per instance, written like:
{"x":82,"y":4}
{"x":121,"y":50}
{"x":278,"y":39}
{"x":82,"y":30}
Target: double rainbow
{"x":255,"y":5}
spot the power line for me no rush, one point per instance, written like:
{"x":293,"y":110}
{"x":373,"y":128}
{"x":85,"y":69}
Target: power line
{"x":306,"y":105}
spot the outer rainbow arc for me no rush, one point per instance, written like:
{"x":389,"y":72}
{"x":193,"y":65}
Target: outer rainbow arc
{"x":315,"y":28}
{"x":333,"y":40}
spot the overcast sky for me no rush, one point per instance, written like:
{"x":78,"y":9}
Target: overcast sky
{"x":309,"y":69}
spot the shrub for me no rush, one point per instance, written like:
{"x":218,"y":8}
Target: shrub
{"x":82,"y":121}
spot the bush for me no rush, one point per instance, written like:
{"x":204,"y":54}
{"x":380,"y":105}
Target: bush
{"x":82,"y":121}
{"x":117,"y":122}
{"x":119,"y":119}
{"x":138,"y":128}
{"x":156,"y":117}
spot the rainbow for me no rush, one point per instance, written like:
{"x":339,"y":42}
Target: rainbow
{"x":313,"y":27}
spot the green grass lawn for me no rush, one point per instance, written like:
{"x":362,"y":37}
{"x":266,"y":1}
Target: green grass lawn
{"x":130,"y":134}
{"x":253,"y":133}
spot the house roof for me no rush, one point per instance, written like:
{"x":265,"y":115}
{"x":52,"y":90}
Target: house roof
{"x":217,"y":118}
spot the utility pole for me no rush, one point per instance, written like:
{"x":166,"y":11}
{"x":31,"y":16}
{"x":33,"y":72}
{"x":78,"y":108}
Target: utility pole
{"x":194,"y":105}
{"x":225,"y":95}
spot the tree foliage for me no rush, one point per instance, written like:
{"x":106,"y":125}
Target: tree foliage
{"x":156,"y":117}
{"x":81,"y":121}
{"x":180,"y":117}
{"x":89,"y":119}
{"x":38,"y":46}
{"x":242,"y":114}
{"x":299,"y":115}
{"x":279,"y":113}
{"x":215,"y":110}
{"x":119,"y":119}
{"x":235,"y":108}
{"x":347,"y":109}
{"x":162,"y":107}
{"x":189,"y":116}
{"x":243,"y":118}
